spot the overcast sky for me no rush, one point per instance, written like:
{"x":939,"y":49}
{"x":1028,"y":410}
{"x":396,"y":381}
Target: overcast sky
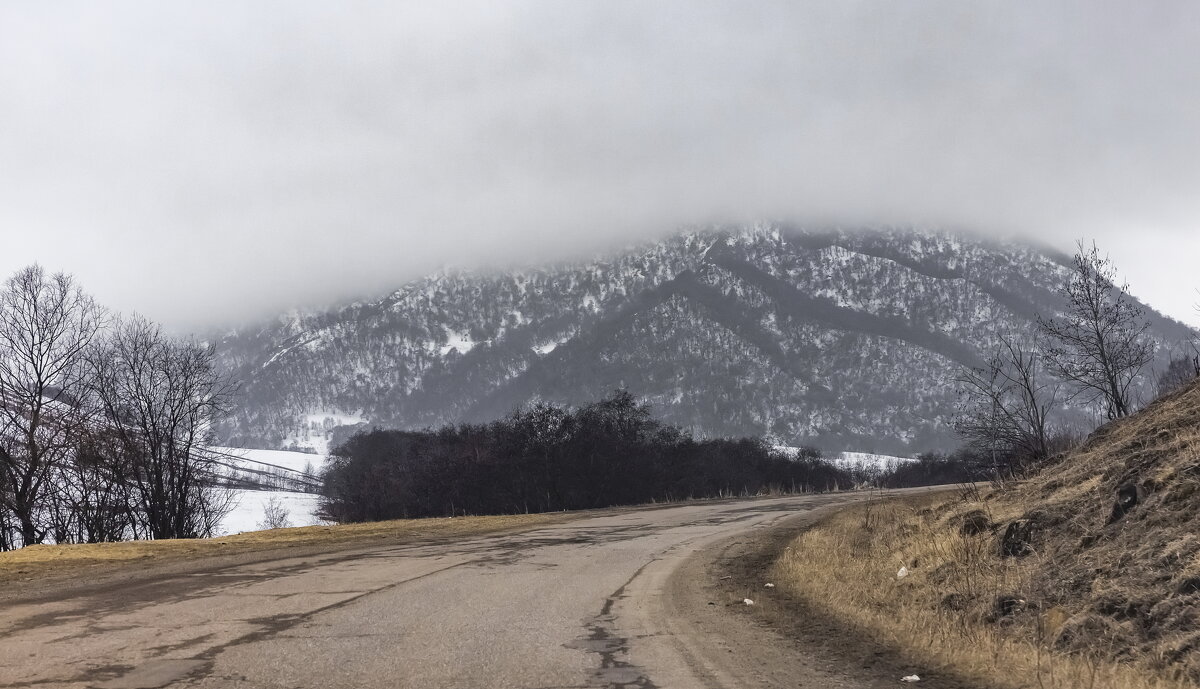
{"x":209,"y":162}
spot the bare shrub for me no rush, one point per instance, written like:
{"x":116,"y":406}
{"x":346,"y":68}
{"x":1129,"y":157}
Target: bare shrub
{"x":275,"y":515}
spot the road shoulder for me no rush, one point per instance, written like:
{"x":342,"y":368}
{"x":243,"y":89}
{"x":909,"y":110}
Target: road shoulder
{"x":778,"y":641}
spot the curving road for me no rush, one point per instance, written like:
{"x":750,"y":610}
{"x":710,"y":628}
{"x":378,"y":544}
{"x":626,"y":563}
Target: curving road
{"x":611,"y":600}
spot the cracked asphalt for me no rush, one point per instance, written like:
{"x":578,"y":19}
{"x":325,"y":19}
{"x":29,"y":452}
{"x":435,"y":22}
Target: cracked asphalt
{"x":611,"y":600}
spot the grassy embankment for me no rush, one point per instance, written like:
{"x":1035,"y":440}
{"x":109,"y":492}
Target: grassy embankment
{"x":1100,"y":585}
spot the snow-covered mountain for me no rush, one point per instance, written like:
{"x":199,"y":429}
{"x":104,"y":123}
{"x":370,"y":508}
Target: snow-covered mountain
{"x":846,"y":340}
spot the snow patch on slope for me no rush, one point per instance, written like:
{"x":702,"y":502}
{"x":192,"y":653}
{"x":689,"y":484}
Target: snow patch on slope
{"x":250,"y":510}
{"x":317,"y":430}
{"x":456,"y":341}
{"x":294,"y":461}
{"x":250,"y":505}
{"x":853,"y":460}
{"x":869,"y":460}
{"x":552,"y":345}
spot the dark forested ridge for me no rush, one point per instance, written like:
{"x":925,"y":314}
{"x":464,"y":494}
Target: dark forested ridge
{"x":842,"y":340}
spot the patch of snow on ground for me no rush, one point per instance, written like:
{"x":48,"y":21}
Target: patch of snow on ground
{"x":333,"y":418}
{"x":548,"y":347}
{"x":284,"y":351}
{"x":318,"y":430}
{"x":251,"y":510}
{"x":295,"y":461}
{"x":868,"y":460}
{"x":853,"y":460}
{"x":459,"y":341}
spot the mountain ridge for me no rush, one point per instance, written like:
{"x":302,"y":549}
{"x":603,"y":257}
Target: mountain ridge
{"x":847,"y":340}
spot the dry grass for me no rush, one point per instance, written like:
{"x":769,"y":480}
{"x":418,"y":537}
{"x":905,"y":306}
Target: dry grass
{"x":947,"y":613}
{"x":1101,"y":597}
{"x":50,"y":560}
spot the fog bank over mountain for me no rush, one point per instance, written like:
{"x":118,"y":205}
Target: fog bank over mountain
{"x":210,"y":163}
{"x":848,"y":341}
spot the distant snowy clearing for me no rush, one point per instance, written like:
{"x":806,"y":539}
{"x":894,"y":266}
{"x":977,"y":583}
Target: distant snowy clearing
{"x":251,"y":507}
{"x":249,"y":512}
{"x":293,"y":461}
{"x":854,"y":460}
{"x":867,"y":460}
{"x":317,"y":431}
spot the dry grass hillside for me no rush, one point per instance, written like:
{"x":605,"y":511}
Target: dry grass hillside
{"x":1088,"y":574}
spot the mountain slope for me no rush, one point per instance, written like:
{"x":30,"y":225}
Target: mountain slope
{"x":846,"y":340}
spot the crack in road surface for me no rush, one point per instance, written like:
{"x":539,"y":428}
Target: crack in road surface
{"x":615,"y":671}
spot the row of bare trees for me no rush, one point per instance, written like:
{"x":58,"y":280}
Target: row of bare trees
{"x":1093,"y":354}
{"x":103,"y":421}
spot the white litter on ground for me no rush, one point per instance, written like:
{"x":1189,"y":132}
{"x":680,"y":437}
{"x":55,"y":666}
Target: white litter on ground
{"x":747,"y":601}
{"x":769,"y":585}
{"x":902,"y":573}
{"x":910,"y":678}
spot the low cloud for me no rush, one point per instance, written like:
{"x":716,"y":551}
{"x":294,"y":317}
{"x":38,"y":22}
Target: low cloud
{"x":207,"y":163}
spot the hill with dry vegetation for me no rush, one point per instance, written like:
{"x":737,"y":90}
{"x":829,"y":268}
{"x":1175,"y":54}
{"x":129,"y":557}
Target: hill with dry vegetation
{"x":1086,"y":574}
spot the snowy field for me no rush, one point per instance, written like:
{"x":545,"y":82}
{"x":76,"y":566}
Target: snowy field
{"x":250,"y":510}
{"x":317,"y":433}
{"x":869,"y":461}
{"x":856,"y":460}
{"x":294,"y":461}
{"x":251,"y":507}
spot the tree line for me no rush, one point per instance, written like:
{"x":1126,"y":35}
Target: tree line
{"x":104,"y":421}
{"x":548,"y":458}
{"x":1096,"y":352}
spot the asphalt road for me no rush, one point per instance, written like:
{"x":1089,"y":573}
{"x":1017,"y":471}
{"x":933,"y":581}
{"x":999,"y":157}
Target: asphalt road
{"x":613,"y":600}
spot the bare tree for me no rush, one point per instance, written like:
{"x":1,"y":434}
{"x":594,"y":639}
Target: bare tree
{"x":94,"y":491}
{"x":47,"y":324}
{"x":161,"y":396}
{"x":1182,"y":369}
{"x":1007,"y":405}
{"x":9,"y":530}
{"x":1099,"y":345}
